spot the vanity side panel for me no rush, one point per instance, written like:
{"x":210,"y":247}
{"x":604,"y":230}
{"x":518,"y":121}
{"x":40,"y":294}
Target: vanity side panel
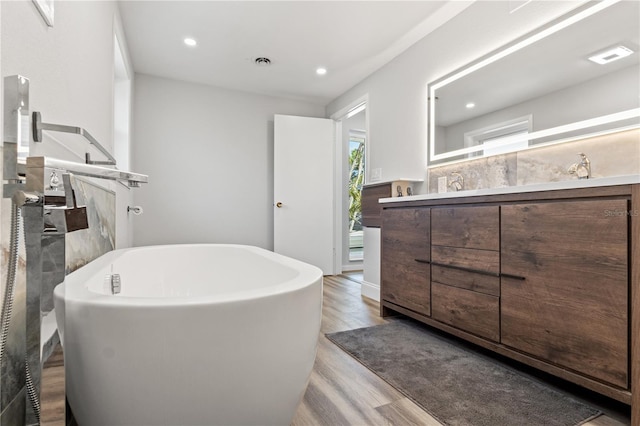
{"x":371,"y":208}
{"x":571,"y":305}
{"x":634,"y":219}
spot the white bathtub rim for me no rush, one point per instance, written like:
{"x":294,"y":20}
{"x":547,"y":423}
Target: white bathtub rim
{"x":73,"y":287}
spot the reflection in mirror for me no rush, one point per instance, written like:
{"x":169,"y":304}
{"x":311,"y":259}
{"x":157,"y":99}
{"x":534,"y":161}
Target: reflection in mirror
{"x":577,"y":76}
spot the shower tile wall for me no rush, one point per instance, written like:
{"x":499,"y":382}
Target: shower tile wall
{"x":12,"y":378}
{"x":84,"y":246}
{"x":489,"y":172}
{"x":62,"y":255}
{"x":616,"y":154}
{"x":81,"y":247}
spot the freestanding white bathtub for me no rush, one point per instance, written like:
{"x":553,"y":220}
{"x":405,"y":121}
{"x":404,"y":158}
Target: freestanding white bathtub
{"x":199,"y":335}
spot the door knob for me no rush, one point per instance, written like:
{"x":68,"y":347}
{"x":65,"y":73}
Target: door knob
{"x":278,"y":204}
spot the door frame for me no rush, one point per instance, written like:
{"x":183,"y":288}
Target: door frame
{"x":339,"y":215}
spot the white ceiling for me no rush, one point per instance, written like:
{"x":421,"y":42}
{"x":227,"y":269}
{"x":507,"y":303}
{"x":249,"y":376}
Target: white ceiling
{"x":352,"y":39}
{"x":554,"y":63}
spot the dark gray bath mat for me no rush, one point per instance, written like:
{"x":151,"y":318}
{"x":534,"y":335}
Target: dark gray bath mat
{"x":456,"y":385}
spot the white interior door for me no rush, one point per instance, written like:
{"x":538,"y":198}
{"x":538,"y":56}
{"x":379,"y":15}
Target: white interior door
{"x":304,"y":190}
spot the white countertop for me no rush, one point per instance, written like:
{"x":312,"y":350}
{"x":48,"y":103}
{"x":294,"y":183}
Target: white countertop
{"x":386,"y":181}
{"x":549,"y":186}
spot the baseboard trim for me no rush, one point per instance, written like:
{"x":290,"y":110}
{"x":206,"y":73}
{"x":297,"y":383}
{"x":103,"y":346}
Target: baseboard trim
{"x":352,"y":267}
{"x":370,"y":290}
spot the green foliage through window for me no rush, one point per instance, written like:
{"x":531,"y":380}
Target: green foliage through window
{"x":356,"y":180}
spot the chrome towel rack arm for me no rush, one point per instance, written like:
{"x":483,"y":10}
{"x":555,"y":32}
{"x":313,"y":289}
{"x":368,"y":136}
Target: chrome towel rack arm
{"x":38,"y":126}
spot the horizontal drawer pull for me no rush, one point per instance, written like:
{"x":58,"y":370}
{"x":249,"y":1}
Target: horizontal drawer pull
{"x":515,"y":277}
{"x":422,"y":261}
{"x":475,"y":271}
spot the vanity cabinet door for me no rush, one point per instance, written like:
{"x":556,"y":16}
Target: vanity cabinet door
{"x":405,"y":268}
{"x":564,"y":284}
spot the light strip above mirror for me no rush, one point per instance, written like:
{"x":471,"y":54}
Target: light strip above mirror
{"x":559,"y":130}
{"x":577,"y":15}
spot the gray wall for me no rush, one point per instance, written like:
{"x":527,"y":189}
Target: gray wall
{"x":209,"y":156}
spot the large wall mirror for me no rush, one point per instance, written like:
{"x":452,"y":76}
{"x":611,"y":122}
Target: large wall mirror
{"x":575,"y":77}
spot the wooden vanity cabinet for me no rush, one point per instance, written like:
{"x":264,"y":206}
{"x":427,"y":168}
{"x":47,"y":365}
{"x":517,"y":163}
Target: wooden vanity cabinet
{"x":405,"y":271}
{"x":564,"y":295}
{"x":465,"y":262}
{"x":550,"y":278}
{"x":371,"y":209}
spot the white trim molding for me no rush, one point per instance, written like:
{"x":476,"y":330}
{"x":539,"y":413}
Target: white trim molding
{"x":370,"y":290}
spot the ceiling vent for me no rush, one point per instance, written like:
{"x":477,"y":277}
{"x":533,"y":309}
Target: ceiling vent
{"x":262,"y":62}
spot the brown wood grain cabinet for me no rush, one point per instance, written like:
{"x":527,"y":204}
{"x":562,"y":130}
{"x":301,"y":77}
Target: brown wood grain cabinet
{"x":475,"y":312}
{"x":570,"y":305}
{"x":371,"y":209}
{"x":547,"y":278}
{"x":406,"y":245}
{"x":465,"y":259}
{"x":472,"y":227}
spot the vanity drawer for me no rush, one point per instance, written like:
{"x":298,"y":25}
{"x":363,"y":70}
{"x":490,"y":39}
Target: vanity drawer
{"x":482,"y":283}
{"x":477,"y":313}
{"x":470,"y":260}
{"x":475,"y":227}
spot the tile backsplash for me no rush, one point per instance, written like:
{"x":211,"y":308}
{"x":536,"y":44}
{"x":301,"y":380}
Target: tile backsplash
{"x":615,"y":154}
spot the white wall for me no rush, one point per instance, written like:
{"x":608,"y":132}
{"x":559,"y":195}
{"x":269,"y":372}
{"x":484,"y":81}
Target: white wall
{"x":70,"y":72}
{"x":371,"y":264}
{"x":611,"y":93}
{"x":70,"y":66}
{"x":397,"y":106}
{"x":209,"y":156}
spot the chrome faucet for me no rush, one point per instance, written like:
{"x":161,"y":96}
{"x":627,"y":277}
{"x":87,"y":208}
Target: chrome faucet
{"x":581,"y":169}
{"x":456,"y":182}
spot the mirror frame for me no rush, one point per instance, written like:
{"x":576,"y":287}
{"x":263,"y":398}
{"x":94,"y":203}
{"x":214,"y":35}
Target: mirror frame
{"x":546,"y":30}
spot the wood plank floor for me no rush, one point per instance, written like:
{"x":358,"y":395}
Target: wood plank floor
{"x":341,"y":390}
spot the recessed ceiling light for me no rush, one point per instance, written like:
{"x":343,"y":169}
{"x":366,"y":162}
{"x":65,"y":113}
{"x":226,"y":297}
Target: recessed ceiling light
{"x":611,"y":55}
{"x":470,"y":105}
{"x":190,"y":41}
{"x":321,"y":71}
